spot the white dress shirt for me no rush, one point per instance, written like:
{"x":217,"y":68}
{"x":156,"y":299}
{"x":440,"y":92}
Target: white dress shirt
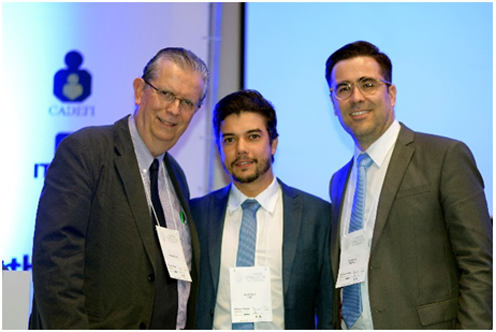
{"x":268,"y":252}
{"x":380,"y":152}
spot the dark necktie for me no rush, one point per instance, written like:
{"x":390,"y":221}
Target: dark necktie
{"x":157,"y":205}
{"x":166,"y":301}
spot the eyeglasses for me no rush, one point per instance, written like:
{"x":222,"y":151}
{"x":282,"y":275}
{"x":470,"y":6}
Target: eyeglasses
{"x":169,"y":97}
{"x":367,"y":86}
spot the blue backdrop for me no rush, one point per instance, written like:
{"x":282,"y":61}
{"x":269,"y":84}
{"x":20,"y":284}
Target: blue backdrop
{"x":442,"y":56}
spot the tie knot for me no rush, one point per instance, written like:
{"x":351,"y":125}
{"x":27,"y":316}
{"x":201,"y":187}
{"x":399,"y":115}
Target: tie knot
{"x":364,"y":160}
{"x":154,"y":165}
{"x":251,"y":205}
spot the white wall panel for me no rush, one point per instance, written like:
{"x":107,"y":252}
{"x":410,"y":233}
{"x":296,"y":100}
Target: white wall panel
{"x":116,"y":41}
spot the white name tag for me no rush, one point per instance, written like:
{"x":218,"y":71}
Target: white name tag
{"x":354,"y":259}
{"x":250,"y":294}
{"x":173,"y":253}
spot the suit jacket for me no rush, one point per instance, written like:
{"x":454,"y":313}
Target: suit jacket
{"x":94,"y":250}
{"x":431,"y":256}
{"x":307,"y":279}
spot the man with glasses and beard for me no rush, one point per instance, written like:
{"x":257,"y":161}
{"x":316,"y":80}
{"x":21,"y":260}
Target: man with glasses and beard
{"x":264,"y":245}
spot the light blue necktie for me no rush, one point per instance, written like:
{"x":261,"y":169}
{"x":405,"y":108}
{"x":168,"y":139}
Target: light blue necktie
{"x":246,"y":246}
{"x":352,"y":297}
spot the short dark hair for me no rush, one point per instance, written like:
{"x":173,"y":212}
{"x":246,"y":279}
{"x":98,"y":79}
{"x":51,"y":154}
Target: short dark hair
{"x":356,"y":49}
{"x":183,"y":58}
{"x":245,"y":101}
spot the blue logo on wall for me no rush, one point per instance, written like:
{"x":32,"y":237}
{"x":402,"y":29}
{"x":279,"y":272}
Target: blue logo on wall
{"x":72,"y":84}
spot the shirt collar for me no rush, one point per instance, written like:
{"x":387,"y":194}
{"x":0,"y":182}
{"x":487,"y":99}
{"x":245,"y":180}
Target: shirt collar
{"x":380,"y":148}
{"x":143,"y":155}
{"x":267,"y":198}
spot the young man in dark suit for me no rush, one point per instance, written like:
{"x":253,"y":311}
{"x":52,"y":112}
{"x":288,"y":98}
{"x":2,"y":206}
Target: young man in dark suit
{"x":288,"y":243}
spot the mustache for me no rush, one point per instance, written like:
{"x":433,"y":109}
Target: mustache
{"x":243,"y":158}
{"x":361,"y":105}
{"x":358,"y":107}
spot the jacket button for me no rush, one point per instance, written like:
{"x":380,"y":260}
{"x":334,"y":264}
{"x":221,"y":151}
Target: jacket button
{"x":142,"y":326}
{"x":151,"y":277}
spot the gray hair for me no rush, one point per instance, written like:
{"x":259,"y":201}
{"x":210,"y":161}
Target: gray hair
{"x":184,"y":59}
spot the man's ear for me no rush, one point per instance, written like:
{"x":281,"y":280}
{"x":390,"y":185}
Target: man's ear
{"x":273,"y":147}
{"x":333,"y":105}
{"x":392,"y":94}
{"x":139,"y":90}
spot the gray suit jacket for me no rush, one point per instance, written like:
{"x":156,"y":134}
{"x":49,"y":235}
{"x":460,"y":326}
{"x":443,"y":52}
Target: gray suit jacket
{"x":431,"y":257}
{"x":94,"y":249}
{"x":307,"y":279}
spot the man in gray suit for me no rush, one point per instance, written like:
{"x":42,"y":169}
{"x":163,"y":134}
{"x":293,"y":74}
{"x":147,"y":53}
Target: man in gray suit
{"x":289,"y":255}
{"x":98,"y":261}
{"x":423,"y":251}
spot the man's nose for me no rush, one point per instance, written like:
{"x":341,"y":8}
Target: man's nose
{"x":241,"y":147}
{"x":174,"y":106}
{"x":356,"y":94}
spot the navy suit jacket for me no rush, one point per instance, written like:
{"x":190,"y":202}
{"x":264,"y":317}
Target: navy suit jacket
{"x":430,"y":262}
{"x":307,"y":279}
{"x":94,"y":245}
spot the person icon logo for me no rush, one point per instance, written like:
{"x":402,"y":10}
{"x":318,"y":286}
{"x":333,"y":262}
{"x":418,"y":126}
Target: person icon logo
{"x":72,"y":84}
{"x":72,"y":89}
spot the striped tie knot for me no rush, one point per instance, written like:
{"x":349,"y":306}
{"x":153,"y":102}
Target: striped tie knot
{"x":250,"y":205}
{"x":364,"y":160}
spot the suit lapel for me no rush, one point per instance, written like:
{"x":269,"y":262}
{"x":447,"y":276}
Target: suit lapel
{"x":180,"y":189}
{"x":292,"y":220}
{"x":128,"y":170}
{"x":400,"y":159}
{"x":337,"y":192}
{"x":217,"y":207}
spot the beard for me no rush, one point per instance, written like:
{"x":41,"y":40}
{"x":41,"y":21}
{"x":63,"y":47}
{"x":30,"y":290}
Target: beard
{"x":262,"y":167}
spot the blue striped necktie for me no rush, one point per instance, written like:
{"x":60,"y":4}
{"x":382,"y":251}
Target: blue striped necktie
{"x":352,"y":296}
{"x":246,"y":246}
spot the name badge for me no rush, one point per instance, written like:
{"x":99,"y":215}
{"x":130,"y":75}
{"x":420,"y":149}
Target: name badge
{"x":354,"y":259}
{"x":170,"y":243}
{"x":250,"y":294}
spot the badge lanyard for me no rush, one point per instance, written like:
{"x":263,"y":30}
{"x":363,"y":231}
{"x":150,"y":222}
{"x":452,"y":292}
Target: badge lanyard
{"x":355,"y":254}
{"x":169,"y":240}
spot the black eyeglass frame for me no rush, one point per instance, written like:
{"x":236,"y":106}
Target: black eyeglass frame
{"x":170,"y":97}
